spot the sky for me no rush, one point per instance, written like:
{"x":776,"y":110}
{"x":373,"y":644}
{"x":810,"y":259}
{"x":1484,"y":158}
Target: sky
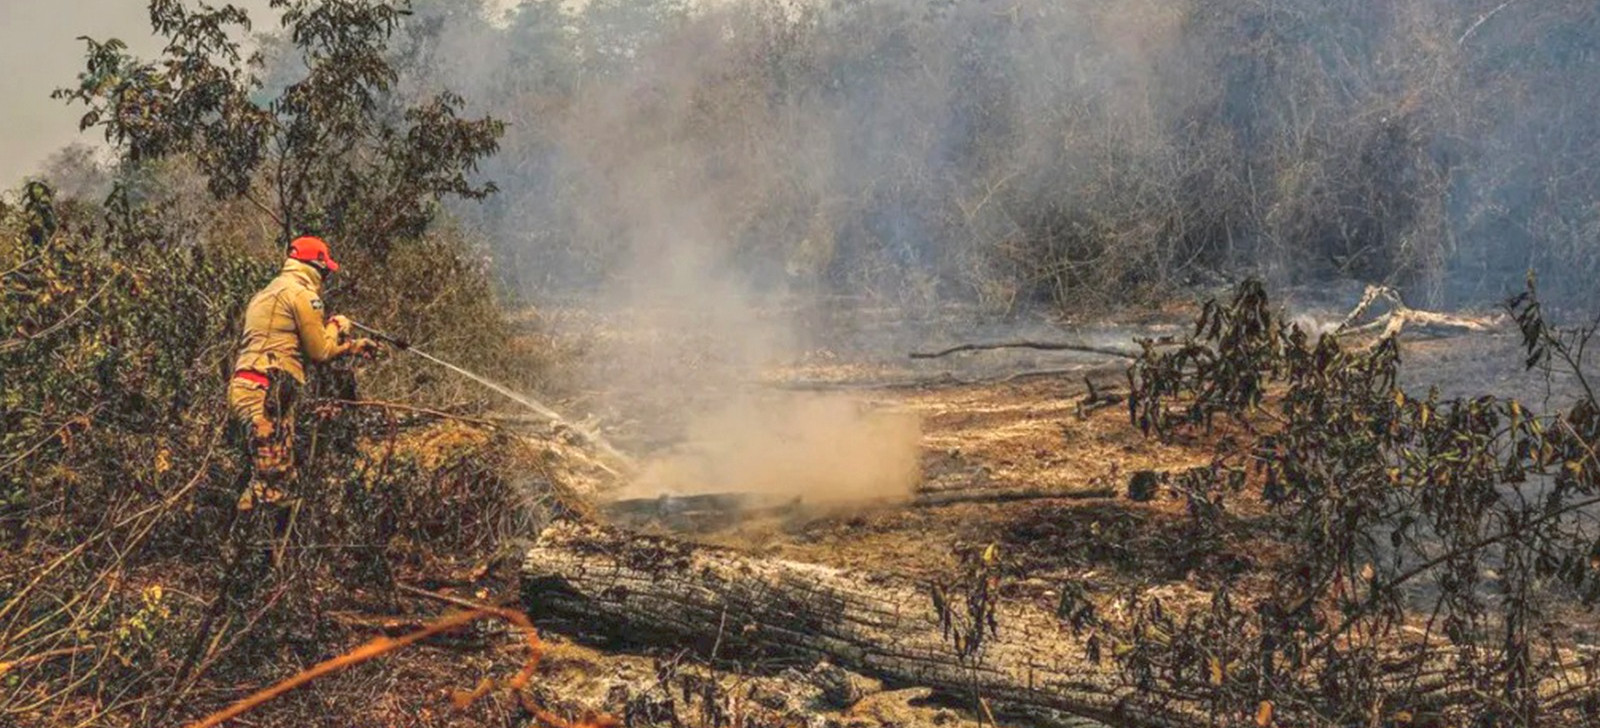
{"x":39,"y":52}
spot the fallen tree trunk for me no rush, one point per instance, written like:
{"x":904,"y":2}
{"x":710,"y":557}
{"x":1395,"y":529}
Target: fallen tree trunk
{"x":724,"y":603}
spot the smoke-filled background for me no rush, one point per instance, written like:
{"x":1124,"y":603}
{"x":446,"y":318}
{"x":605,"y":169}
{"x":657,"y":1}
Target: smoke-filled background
{"x":1004,"y":153}
{"x":1065,"y":152}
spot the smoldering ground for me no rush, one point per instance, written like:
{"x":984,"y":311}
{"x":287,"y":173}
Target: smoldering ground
{"x":829,"y":451}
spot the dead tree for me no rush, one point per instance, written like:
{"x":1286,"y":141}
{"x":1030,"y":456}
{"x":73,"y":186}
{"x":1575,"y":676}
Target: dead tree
{"x":1400,"y":315}
{"x":724,"y":603}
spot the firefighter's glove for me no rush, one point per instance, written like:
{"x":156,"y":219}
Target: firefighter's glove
{"x":366,"y":348}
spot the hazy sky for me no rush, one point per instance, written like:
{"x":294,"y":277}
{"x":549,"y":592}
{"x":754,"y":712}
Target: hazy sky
{"x":39,"y":52}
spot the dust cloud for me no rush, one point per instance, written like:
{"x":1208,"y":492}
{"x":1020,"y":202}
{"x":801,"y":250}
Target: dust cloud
{"x":824,"y":450}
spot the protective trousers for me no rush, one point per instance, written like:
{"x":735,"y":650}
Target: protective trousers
{"x":262,"y":407}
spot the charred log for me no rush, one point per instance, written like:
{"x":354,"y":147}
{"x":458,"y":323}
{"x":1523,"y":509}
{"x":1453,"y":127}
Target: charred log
{"x":722,"y":603}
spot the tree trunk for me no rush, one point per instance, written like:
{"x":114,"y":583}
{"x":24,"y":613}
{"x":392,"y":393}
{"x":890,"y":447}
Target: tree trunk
{"x":723,"y":604}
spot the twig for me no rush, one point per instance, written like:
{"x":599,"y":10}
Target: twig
{"x":263,"y":208}
{"x":8,"y":346}
{"x":987,"y":711}
{"x":1039,"y":345}
{"x":105,"y":657}
{"x":21,"y":265}
{"x":1486,"y":16}
{"x":446,"y":598}
{"x":1032,"y":374}
{"x":64,"y":429}
{"x":26,"y":660}
{"x":379,"y":646}
{"x":943,"y":380}
{"x":18,"y":599}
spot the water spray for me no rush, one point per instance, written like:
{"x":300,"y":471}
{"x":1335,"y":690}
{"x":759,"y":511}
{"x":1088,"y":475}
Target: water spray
{"x":595,"y":439}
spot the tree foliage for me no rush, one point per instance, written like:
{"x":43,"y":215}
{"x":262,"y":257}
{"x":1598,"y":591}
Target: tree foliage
{"x":331,"y":151}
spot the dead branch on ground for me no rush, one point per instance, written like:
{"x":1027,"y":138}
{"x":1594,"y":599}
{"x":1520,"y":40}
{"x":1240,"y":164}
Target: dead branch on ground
{"x":945,"y":379}
{"x":935,"y":499}
{"x":1036,"y":345}
{"x":1400,"y":315}
{"x":379,"y":646}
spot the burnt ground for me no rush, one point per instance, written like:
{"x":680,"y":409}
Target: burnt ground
{"x":1013,"y":420}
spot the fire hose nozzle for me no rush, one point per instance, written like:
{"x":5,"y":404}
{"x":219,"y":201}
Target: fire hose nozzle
{"x":394,"y":341}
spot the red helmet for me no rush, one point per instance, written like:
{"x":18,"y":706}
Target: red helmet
{"x":313,"y":250}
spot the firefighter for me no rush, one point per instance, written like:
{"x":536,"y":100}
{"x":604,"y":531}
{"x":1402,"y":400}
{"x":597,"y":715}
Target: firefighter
{"x":285,"y":326}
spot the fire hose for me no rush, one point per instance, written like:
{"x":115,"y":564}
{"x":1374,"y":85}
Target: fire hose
{"x":595,"y":440}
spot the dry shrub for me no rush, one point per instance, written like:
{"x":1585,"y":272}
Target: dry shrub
{"x":120,"y":472}
{"x":1429,"y":550}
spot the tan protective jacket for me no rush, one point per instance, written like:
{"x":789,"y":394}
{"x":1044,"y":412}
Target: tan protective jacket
{"x":284,"y":325}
